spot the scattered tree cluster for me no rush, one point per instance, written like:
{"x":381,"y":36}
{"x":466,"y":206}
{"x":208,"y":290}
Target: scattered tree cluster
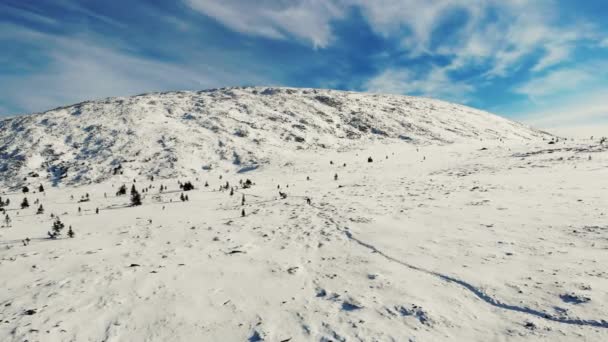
{"x":187,"y":186}
{"x":56,"y":229}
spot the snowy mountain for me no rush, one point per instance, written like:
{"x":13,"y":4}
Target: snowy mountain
{"x":182,"y":133}
{"x":367,"y":218}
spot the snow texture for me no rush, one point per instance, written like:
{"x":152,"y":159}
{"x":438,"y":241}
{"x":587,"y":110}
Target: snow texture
{"x":474,"y":228}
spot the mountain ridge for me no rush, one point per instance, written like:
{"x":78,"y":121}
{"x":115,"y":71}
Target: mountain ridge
{"x":181,"y":133}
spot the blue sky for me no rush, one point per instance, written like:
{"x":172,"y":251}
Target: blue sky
{"x":539,"y":61}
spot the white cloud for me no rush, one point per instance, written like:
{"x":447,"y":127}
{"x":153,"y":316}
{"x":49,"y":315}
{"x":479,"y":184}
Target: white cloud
{"x":84,"y":68}
{"x":584,"y":114}
{"x":554,"y":55}
{"x":555,"y":82}
{"x":435,"y":83}
{"x":28,"y":15}
{"x":305,"y":19}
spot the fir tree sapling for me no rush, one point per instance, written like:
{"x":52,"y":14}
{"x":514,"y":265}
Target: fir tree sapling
{"x":56,"y":229}
{"x":135,"y":197}
{"x":25,"y":203}
{"x":122,"y":190}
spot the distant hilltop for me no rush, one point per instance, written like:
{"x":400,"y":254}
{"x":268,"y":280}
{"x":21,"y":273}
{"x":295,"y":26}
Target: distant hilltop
{"x":183,"y":133}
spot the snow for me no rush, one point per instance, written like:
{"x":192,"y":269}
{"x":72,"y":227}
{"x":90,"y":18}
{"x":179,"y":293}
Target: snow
{"x":446,"y":238}
{"x":179,"y":134}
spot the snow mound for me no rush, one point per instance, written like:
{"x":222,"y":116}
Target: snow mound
{"x":184,"y":133}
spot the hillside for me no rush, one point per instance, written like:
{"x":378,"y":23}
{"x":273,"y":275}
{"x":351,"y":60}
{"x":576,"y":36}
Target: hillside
{"x":183,"y":133}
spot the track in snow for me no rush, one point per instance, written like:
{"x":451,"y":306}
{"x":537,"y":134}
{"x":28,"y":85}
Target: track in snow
{"x":480,"y":294}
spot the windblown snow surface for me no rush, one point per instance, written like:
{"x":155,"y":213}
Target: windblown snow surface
{"x":463,"y":227}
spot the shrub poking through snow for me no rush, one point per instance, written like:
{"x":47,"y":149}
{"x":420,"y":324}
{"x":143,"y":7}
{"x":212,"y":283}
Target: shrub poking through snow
{"x":56,"y":229}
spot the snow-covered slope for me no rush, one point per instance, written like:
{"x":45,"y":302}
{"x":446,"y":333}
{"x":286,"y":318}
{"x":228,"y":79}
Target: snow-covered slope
{"x":182,"y":133}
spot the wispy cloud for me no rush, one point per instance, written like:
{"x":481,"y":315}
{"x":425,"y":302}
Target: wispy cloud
{"x":84,"y":67}
{"x":554,"y":82}
{"x":308,"y":20}
{"x":28,"y":14}
{"x":582,"y":109}
{"x":435,"y":83}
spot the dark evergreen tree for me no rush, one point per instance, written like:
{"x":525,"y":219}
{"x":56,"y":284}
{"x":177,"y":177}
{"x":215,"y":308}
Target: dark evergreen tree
{"x":369,"y":159}
{"x":122,"y":190}
{"x":40,"y":188}
{"x":243,"y":200}
{"x":25,"y":203}
{"x":243,"y":212}
{"x":188,"y":186}
{"x":56,"y":229}
{"x":231,"y":191}
{"x":96,"y":210}
{"x":206,"y":184}
{"x":25,"y":189}
{"x":135,"y":197}
{"x":71,"y":232}
{"x":182,"y":197}
{"x":40,"y":210}
{"x":336,"y":176}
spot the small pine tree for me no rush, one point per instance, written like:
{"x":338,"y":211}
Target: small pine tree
{"x":135,"y":197}
{"x":231,"y":191}
{"x":40,"y":188}
{"x":40,"y":210}
{"x":243,"y":200}
{"x":56,"y":229}
{"x":182,"y":197}
{"x":243,"y":212}
{"x":336,"y":176}
{"x":122,"y":190}
{"x":206,"y":184}
{"x":71,"y":232}
{"x":25,"y":189}
{"x":96,"y":210}
{"x":25,"y":203}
